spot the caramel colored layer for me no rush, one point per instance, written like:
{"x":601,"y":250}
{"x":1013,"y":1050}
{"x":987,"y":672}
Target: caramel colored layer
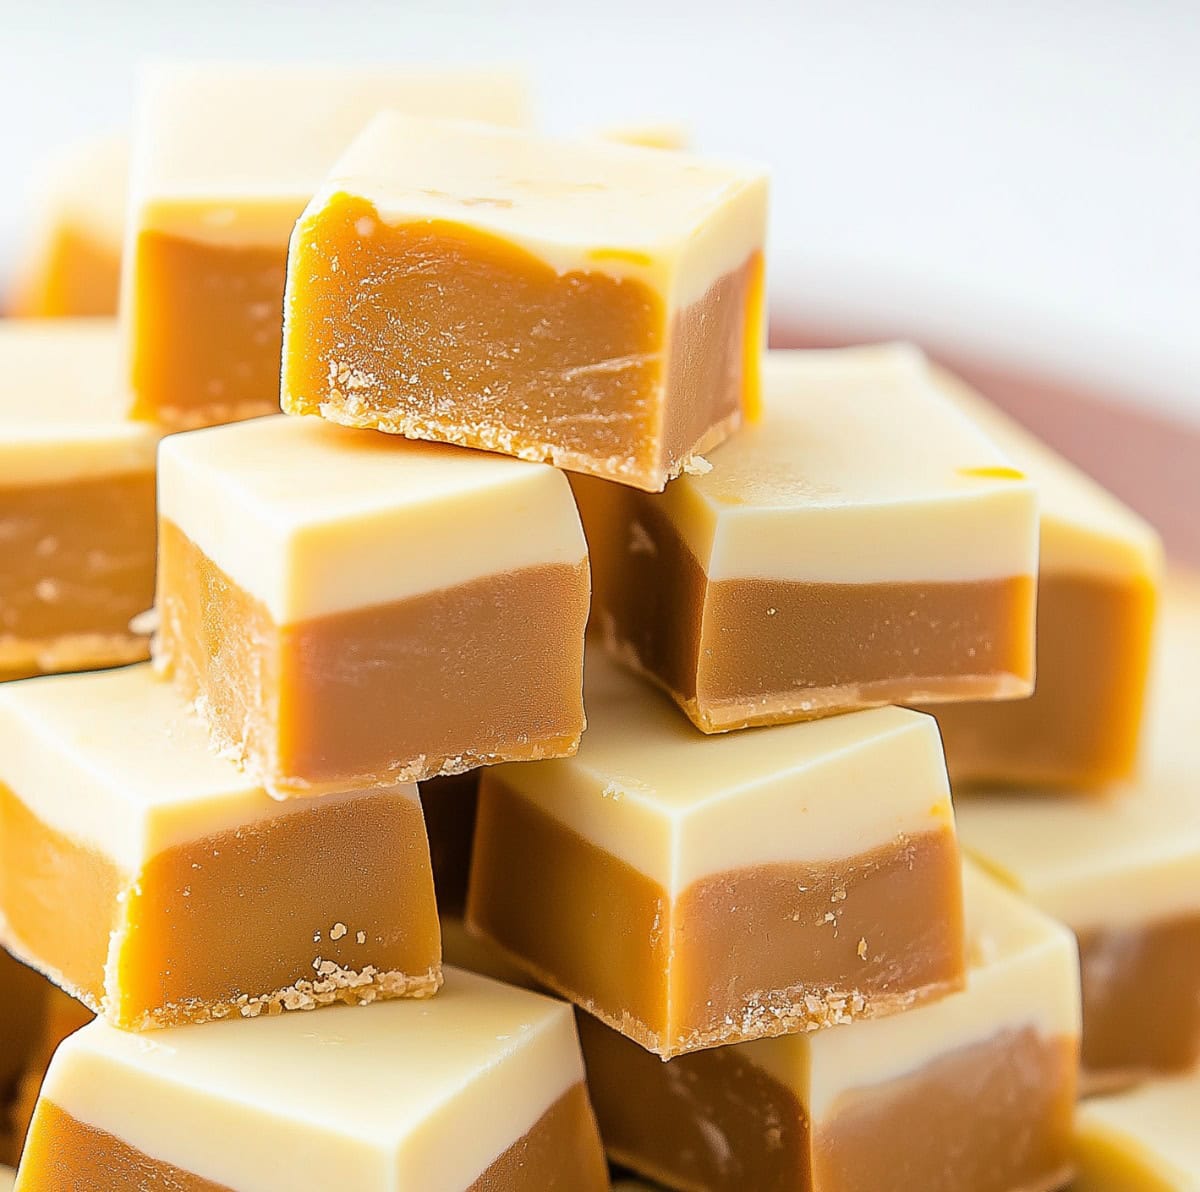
{"x":76,"y":565}
{"x":584,"y":370}
{"x":561,"y":1153}
{"x":739,"y":652}
{"x":208,"y":330}
{"x":1082,"y":723}
{"x":740,"y":955}
{"x":78,"y":276}
{"x":481,"y":672}
{"x":450,"y":805}
{"x":231,"y":923}
{"x":1141,"y":1001}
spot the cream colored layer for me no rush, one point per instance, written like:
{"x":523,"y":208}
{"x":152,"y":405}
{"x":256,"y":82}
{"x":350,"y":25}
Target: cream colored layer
{"x":1127,"y":1140}
{"x":7,"y":1179}
{"x":222,"y":149}
{"x":1085,"y":529}
{"x":675,"y":222}
{"x":313,"y":519}
{"x":678,"y":805}
{"x":421,"y":1094}
{"x":859,"y":471}
{"x":62,"y":415}
{"x":1024,"y":971}
{"x":113,"y":760}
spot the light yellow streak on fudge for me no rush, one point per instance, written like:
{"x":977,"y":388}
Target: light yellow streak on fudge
{"x":678,"y":805}
{"x":859,"y":471}
{"x":658,"y":134}
{"x":406,"y":1095}
{"x":313,"y":519}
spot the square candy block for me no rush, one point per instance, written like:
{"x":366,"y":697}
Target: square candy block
{"x":862,"y":544}
{"x":226,"y":158}
{"x":595,"y":305}
{"x":76,"y":501}
{"x":155,"y":882}
{"x":692,"y":891}
{"x":478,"y":1088}
{"x":1098,"y":585}
{"x":349,"y":608}
{"x":975,"y":1091}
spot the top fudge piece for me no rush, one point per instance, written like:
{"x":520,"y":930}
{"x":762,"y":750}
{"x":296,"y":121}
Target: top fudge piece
{"x":226,"y":158}
{"x":863,"y":544}
{"x":594,"y":305}
{"x":349,"y":608}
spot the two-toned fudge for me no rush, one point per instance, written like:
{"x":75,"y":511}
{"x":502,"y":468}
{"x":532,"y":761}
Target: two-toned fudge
{"x":862,"y":544}
{"x":1098,"y":581}
{"x":349,"y":608}
{"x":76,"y":501}
{"x":226,"y":158}
{"x":973,"y":1091}
{"x":151,"y":879}
{"x":69,"y":261}
{"x":693,"y":890}
{"x":480,"y":1088}
{"x":594,"y":305}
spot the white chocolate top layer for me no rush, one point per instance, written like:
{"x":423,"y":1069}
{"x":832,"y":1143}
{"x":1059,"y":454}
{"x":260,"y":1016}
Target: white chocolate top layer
{"x":62,"y":414}
{"x":230,"y":153}
{"x":114,"y":761}
{"x":1023,"y":972}
{"x":404,"y":1094}
{"x":1152,"y":1128}
{"x":679,"y":806}
{"x":672,"y":220}
{"x":314,"y":519}
{"x":859,"y":471}
{"x":1085,"y":529}
{"x":7,"y":1179}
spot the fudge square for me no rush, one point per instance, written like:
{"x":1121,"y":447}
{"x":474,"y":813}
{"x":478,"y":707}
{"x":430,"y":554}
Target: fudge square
{"x":862,"y":544}
{"x":156,"y":883}
{"x":76,"y":501}
{"x":1098,"y":587}
{"x":693,"y":890}
{"x":595,"y":305}
{"x":975,"y":1091}
{"x":478,"y":1088}
{"x":226,"y":156}
{"x":348,"y":608}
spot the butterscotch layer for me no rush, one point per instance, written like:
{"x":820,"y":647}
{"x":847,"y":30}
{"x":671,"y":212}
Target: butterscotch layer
{"x":79,"y":275}
{"x":740,"y":652}
{"x":76,"y":566}
{"x":584,"y":370}
{"x":230,"y":923}
{"x":1082,"y":723}
{"x":485,"y":671}
{"x":1141,"y":1001}
{"x":208,"y":330}
{"x":560,"y":1153}
{"x":450,"y":806}
{"x":751,"y":953}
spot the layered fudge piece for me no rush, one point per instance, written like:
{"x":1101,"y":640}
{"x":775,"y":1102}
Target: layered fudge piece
{"x":70,"y":260}
{"x":226,"y":158}
{"x":973,"y":1091}
{"x":1098,"y":582}
{"x":479,"y":1088}
{"x":1143,"y":1140}
{"x":76,"y":502}
{"x":595,"y":305}
{"x":348,"y":608}
{"x":692,"y":890}
{"x":450,"y":805}
{"x":155,"y":882}
{"x":862,"y":544}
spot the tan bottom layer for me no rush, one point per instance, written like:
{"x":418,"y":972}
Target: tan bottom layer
{"x":991,"y":1117}
{"x":560,"y":1153}
{"x":23,"y":658}
{"x":1141,"y":1002}
{"x":75,"y":274}
{"x":742,"y":955}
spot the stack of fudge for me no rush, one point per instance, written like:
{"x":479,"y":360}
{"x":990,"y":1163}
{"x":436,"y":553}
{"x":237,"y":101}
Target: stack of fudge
{"x":426,"y":449}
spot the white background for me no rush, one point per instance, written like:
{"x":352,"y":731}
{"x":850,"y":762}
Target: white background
{"x":1021,"y":180}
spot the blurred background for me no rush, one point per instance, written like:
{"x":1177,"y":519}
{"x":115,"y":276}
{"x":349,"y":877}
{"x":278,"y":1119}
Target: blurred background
{"x":1016,"y":186}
